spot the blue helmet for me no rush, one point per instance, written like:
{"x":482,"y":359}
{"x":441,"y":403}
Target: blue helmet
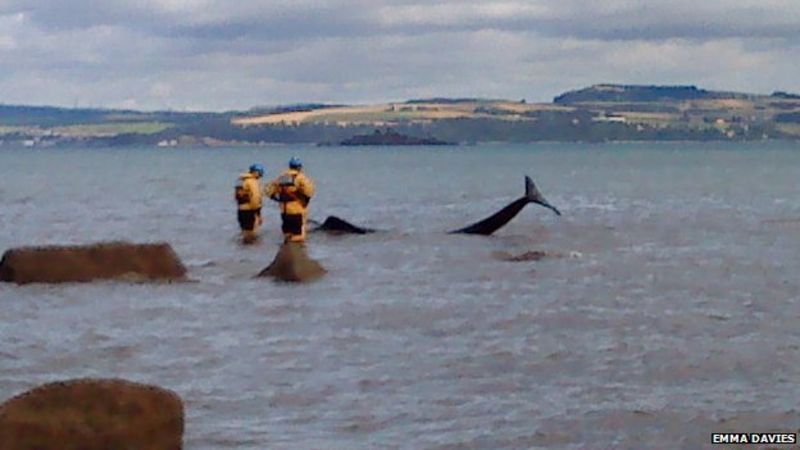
{"x":257,"y":168}
{"x":295,"y":163}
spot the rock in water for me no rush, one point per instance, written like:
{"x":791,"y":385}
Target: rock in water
{"x":292,"y":263}
{"x":92,"y":414}
{"x":534,"y":255}
{"x":81,"y":263}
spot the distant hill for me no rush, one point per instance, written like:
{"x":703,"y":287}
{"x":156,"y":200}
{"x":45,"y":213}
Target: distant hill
{"x":298,"y":107}
{"x":642,"y":93}
{"x":603,"y":112}
{"x":47,"y":115}
{"x":449,"y":101}
{"x":785,"y":95}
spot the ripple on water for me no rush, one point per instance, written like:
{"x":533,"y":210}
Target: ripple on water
{"x":678,"y":320}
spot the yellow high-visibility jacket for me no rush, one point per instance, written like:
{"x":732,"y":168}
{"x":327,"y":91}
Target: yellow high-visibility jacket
{"x":252,"y":186}
{"x":293,"y":190}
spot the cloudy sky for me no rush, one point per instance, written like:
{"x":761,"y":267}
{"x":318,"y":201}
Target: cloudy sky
{"x":235,"y":54}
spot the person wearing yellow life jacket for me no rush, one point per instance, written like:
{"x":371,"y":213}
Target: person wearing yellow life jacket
{"x":293,"y":190}
{"x":248,"y":198}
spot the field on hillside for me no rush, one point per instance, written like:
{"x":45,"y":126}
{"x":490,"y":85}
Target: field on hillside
{"x":401,"y":112}
{"x":112,"y":129}
{"x":595,"y":114}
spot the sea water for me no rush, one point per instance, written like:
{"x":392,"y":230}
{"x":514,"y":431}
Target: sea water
{"x":669,"y":309}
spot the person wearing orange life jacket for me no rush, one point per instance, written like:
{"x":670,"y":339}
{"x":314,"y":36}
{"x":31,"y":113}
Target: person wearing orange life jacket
{"x":248,"y":199}
{"x":293,"y":190}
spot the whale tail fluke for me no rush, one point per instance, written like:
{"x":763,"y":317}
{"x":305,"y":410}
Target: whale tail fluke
{"x":530,"y":189}
{"x":497,"y":220}
{"x":534,"y":196}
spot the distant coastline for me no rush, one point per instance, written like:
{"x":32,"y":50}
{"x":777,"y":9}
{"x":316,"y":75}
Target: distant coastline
{"x":599,"y":113}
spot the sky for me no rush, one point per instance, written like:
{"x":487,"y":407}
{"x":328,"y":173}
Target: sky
{"x":215,"y":55}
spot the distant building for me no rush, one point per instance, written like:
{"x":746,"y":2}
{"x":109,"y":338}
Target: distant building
{"x":610,"y":118}
{"x":168,"y":143}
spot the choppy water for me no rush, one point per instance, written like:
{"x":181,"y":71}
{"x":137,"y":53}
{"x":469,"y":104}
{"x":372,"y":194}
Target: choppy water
{"x":679,"y":319}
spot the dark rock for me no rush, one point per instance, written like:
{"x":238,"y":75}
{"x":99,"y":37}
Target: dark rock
{"x":534,"y":255}
{"x":292,"y":263}
{"x":83,"y":263}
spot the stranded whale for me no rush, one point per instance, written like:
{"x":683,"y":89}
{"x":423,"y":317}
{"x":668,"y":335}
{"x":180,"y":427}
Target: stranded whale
{"x":497,"y":220}
{"x":337,"y":225}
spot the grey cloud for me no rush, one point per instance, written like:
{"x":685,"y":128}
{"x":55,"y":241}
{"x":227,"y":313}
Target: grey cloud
{"x":215,"y":54}
{"x":626,"y":20}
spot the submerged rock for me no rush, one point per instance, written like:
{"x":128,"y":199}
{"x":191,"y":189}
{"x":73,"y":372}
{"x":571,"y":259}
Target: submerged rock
{"x":534,"y":255}
{"x":292,"y":263}
{"x":93,"y":414}
{"x":82,"y":263}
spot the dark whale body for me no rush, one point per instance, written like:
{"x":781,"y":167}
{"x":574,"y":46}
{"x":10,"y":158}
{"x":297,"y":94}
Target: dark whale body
{"x":336,"y":225}
{"x":497,"y":220}
{"x":487,"y":226}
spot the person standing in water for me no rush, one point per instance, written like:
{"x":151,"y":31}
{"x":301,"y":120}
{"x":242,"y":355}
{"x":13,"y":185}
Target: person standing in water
{"x":293,"y":190}
{"x":248,"y":199}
